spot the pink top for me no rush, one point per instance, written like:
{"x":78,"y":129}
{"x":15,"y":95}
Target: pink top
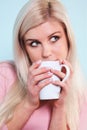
{"x":40,"y":118}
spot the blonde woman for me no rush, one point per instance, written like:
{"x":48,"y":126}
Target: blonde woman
{"x":42,"y":32}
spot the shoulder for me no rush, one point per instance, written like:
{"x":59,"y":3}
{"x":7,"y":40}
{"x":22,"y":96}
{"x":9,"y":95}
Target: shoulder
{"x":7,"y":76}
{"x":7,"y":70}
{"x":8,"y":65}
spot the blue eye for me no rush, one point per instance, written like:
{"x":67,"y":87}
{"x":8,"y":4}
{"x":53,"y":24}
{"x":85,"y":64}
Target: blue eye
{"x":54,"y":38}
{"x":34,"y":43}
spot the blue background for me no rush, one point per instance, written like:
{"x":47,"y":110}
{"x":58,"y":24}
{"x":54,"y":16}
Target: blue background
{"x":77,"y":11}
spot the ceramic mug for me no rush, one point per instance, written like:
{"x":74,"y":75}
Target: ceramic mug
{"x":51,"y":91}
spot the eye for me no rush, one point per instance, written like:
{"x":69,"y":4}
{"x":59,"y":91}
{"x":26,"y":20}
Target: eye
{"x":54,"y":38}
{"x":34,"y":43}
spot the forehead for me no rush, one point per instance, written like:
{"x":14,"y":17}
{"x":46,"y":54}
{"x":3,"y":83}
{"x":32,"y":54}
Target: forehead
{"x":45,"y":28}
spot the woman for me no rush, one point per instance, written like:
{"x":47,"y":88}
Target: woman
{"x":42,"y":32}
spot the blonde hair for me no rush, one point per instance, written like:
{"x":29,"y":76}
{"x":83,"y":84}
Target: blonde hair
{"x":34,"y":13}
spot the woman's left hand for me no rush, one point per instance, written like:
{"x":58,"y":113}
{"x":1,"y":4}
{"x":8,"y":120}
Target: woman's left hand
{"x":58,"y":118}
{"x":65,"y":86}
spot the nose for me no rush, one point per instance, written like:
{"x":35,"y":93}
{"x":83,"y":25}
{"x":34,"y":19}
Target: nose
{"x":46,"y":51}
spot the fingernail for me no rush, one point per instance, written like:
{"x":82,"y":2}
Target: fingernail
{"x":63,"y":61}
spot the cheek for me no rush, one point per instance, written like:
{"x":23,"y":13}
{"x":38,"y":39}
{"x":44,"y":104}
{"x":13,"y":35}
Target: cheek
{"x":34,"y":55}
{"x":57,"y":48}
{"x":60,"y":50}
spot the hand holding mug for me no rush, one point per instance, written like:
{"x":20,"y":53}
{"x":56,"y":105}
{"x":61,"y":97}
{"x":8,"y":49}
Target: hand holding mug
{"x":52,"y":91}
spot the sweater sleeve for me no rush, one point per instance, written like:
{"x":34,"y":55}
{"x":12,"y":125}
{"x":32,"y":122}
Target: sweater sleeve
{"x":4,"y":127}
{"x":7,"y":77}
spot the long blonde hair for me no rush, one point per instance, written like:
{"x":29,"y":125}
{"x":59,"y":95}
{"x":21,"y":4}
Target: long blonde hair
{"x":34,"y":13}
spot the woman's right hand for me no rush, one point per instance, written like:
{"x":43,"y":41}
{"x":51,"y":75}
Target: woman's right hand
{"x":31,"y":101}
{"x":35,"y":76}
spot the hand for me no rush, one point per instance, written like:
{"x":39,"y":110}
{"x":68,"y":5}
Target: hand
{"x":36,"y":75}
{"x":65,"y":86}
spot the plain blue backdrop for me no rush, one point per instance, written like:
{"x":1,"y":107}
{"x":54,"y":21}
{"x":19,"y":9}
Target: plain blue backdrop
{"x":76,"y":10}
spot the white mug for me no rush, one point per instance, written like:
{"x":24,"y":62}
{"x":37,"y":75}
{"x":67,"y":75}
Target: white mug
{"x":51,"y":91}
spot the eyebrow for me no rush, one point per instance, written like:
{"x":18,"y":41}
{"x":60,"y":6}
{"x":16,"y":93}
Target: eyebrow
{"x":54,"y":33}
{"x":30,"y":39}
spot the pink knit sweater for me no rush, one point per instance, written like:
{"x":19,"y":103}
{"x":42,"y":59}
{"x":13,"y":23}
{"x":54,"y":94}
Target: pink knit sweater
{"x":40,"y":118}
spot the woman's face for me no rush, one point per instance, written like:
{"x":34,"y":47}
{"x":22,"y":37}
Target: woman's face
{"x":46,"y":42}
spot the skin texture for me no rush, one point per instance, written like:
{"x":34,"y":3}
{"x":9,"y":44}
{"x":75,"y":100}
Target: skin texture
{"x":47,"y":41}
{"x":50,"y":43}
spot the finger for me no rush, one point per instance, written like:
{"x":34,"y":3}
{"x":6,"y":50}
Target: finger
{"x":40,"y":71}
{"x":59,"y":83}
{"x":44,"y":83}
{"x":59,"y":74}
{"x":35,"y":65}
{"x":41,"y":78}
{"x":64,"y":86}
